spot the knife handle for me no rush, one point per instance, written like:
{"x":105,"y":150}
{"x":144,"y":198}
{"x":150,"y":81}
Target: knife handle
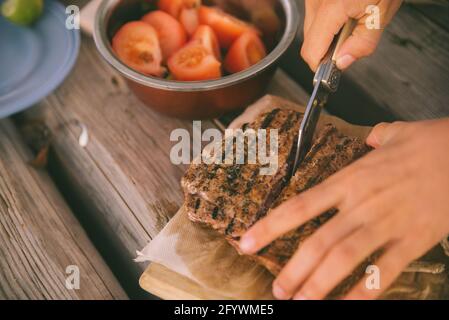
{"x":328,"y":73}
{"x":344,"y":34}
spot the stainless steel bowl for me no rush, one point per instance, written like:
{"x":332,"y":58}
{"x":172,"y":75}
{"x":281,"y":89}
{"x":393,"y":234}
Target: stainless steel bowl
{"x":199,"y":99}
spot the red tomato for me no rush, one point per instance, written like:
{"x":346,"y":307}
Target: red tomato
{"x":227,"y":27}
{"x":206,"y":36}
{"x":136,"y":44}
{"x":192,"y":3}
{"x":174,"y":7}
{"x":189,"y":19}
{"x":172,"y":36}
{"x":193,"y":63}
{"x":246,"y":51}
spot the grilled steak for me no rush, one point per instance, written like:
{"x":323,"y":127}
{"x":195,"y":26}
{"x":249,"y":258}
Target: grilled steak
{"x":331,"y":152}
{"x":230,"y":199}
{"x":236,"y":195}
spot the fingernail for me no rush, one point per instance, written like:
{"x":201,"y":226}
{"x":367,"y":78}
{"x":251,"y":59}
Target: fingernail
{"x":279,"y":293}
{"x":300,"y":296}
{"x":247,"y":244}
{"x":345,"y":61}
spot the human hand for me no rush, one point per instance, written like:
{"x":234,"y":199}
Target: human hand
{"x":324,"y":19}
{"x":395,"y":199}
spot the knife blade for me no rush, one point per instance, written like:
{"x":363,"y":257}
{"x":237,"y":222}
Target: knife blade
{"x":326,"y":81}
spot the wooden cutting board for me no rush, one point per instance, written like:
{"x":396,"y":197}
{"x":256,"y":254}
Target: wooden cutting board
{"x":169,"y":285}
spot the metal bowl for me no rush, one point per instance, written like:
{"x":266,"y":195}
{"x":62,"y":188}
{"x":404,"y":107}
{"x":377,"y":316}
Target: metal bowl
{"x":198,"y":99}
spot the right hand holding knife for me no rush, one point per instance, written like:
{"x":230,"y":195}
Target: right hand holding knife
{"x":325,"y":18}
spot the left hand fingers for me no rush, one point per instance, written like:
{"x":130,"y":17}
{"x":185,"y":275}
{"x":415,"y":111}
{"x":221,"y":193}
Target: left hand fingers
{"x":390,"y":265}
{"x":291,"y":214}
{"x":315,"y":248}
{"x":345,"y":256}
{"x":341,"y":261}
{"x":310,"y":254}
{"x":329,"y":194}
{"x":384,"y":132}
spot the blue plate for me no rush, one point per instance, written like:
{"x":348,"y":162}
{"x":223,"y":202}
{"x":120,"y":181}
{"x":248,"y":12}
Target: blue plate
{"x":35,"y":60}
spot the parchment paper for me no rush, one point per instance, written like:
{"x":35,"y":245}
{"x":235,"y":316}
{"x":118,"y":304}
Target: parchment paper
{"x":203,"y":256}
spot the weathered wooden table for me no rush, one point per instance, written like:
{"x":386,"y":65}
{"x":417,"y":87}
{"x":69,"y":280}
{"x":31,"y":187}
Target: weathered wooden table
{"x":93,"y":207}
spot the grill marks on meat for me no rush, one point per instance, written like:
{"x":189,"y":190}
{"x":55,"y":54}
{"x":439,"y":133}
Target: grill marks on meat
{"x":240,"y":193}
{"x":234,"y":197}
{"x":331,"y":152}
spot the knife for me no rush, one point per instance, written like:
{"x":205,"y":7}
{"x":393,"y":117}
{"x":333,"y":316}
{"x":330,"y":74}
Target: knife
{"x":325,"y":81}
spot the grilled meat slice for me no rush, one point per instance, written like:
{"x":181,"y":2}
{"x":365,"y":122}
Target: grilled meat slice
{"x":231,"y":198}
{"x":331,"y":152}
{"x":237,"y":195}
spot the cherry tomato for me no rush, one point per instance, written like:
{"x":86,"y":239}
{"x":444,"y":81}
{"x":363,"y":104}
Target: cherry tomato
{"x":194,"y":62}
{"x":206,"y":36}
{"x":192,"y":3}
{"x":246,"y":51}
{"x":227,"y":27}
{"x":189,"y":19}
{"x":174,"y":7}
{"x":172,"y":36}
{"x":137,"y":45}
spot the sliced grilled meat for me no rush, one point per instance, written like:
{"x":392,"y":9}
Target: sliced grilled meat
{"x":237,"y":195}
{"x":331,"y":152}
{"x":231,"y":198}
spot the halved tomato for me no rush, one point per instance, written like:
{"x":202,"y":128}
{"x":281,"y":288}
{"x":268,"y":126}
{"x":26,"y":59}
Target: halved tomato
{"x":192,"y":4}
{"x":227,"y":27}
{"x":189,"y":19}
{"x":246,"y":51}
{"x":172,"y":35}
{"x":206,"y":36}
{"x":174,"y":7}
{"x":194,"y":63}
{"x":137,"y":45}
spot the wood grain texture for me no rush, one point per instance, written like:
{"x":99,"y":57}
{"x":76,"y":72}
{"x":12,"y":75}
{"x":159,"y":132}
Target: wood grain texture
{"x":123,"y":182}
{"x":40,"y":237}
{"x":122,"y":185}
{"x":406,"y":78}
{"x":169,"y":285}
{"x":436,"y":13}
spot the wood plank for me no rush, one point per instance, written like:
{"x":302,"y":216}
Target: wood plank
{"x":122,"y":185}
{"x":169,"y":285}
{"x":437,"y":13}
{"x":405,"y":79}
{"x":40,"y":237}
{"x":285,"y":87}
{"x":411,"y":285}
